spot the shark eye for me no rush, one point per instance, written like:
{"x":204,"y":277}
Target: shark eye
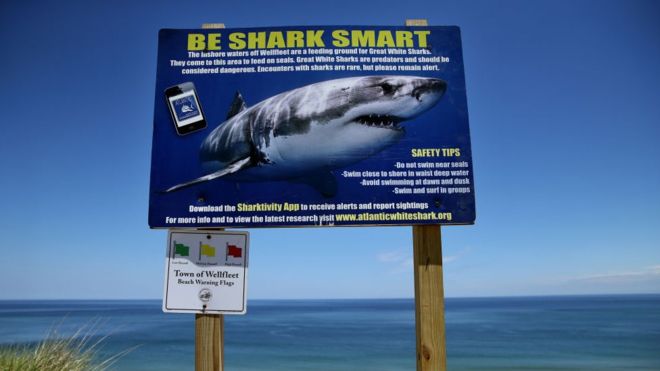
{"x":387,"y":88}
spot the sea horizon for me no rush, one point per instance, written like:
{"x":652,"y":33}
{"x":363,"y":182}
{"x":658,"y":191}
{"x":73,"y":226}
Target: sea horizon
{"x":359,"y":298}
{"x":560,"y":332}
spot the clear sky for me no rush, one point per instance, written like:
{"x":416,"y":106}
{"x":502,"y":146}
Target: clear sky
{"x":564,"y":109}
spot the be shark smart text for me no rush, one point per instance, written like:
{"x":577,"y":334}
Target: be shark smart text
{"x":309,"y":39}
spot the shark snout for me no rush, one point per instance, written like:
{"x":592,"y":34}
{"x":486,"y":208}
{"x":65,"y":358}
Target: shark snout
{"x":429,"y":86}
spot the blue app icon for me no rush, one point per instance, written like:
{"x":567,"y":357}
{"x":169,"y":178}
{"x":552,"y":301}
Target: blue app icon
{"x":185,"y":107}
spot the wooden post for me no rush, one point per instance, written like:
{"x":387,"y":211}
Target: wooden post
{"x":209,"y":341}
{"x":210,"y":328}
{"x":416,"y":22}
{"x":212,"y":25}
{"x":429,"y":290}
{"x":429,"y":299}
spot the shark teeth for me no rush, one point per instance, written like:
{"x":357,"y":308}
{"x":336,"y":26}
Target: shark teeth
{"x":380,"y":121}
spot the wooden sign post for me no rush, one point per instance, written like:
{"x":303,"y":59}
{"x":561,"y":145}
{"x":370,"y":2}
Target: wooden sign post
{"x":209,"y":342}
{"x":210,"y":328}
{"x":429,"y":290}
{"x":429,"y":299}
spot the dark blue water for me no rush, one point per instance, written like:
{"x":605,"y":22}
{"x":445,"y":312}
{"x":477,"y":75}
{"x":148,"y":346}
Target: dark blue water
{"x":539,"y":333}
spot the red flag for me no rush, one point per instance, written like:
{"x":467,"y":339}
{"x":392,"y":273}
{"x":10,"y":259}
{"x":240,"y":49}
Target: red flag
{"x":234,"y":251}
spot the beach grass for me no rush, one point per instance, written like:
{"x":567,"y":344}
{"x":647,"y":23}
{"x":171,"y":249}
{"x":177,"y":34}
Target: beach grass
{"x":77,"y":352}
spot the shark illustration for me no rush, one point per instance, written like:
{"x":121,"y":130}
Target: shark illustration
{"x":303,"y":134}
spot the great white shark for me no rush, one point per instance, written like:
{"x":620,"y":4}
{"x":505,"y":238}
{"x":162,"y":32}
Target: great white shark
{"x":303,"y":134}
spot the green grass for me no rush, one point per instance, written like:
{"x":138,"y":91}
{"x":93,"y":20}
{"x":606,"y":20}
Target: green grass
{"x":77,"y":352}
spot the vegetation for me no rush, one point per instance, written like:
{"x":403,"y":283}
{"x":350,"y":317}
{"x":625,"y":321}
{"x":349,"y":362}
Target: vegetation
{"x":77,"y":352}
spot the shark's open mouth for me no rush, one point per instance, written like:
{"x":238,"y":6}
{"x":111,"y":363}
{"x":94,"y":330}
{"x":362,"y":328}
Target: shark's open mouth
{"x":383,"y":121}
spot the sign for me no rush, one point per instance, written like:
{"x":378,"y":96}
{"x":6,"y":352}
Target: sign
{"x":302,"y":126}
{"x":206,"y":272}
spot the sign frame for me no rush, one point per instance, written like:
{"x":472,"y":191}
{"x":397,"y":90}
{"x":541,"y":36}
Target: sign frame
{"x":205,"y":293}
{"x":194,"y":198}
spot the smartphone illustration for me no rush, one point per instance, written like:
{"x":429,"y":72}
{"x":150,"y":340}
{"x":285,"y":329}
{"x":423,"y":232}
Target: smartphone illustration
{"x":185,"y":108}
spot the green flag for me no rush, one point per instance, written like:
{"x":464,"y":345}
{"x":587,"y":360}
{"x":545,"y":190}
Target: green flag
{"x":181,"y":249}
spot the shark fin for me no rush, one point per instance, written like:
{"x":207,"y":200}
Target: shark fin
{"x":237,"y":105}
{"x":322,"y":181}
{"x":232,"y":168}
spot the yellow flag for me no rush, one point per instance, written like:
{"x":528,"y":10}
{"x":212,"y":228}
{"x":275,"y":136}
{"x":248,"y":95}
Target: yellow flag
{"x":208,"y":250}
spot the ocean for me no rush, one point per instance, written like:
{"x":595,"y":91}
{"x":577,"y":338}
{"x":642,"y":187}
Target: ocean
{"x":620,"y":332}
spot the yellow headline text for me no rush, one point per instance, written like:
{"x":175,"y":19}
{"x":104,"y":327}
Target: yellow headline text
{"x":309,"y":39}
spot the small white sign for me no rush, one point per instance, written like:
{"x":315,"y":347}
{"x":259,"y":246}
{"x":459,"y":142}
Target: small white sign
{"x":206,"y":272}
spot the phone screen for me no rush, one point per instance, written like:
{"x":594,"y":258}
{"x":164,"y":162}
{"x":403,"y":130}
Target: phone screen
{"x":185,"y":108}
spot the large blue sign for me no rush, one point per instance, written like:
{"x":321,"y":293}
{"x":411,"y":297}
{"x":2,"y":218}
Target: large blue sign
{"x":302,"y":126}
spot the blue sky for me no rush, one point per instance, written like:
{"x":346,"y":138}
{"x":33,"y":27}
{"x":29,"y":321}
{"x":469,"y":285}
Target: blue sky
{"x":564,"y":117}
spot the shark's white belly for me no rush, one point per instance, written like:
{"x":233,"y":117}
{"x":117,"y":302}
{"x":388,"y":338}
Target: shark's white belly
{"x":325,"y":147}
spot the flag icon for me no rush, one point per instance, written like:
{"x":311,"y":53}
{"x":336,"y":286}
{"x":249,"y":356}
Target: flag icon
{"x":207,"y":250}
{"x":181,"y":249}
{"x":234,"y":251}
